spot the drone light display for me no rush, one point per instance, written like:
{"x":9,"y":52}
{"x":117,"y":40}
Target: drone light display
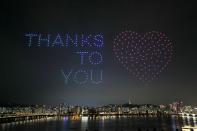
{"x":87,"y":46}
{"x":144,"y":56}
{"x":64,"y":40}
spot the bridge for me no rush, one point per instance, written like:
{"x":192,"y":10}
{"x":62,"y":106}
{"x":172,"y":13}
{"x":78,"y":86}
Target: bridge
{"x":24,"y":118}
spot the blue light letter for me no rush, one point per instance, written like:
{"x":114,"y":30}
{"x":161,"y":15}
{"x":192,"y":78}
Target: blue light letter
{"x":66,"y":76}
{"x":85,"y":40}
{"x":44,"y":39}
{"x":69,"y":39}
{"x":95,"y":58}
{"x":82,"y":56}
{"x":76,"y":76}
{"x":98,"y":41}
{"x":30,"y":38}
{"x":98,"y":81}
{"x":58,"y":41}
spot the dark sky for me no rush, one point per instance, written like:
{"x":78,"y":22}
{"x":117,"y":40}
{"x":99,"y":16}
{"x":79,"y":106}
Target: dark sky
{"x":32,"y":75}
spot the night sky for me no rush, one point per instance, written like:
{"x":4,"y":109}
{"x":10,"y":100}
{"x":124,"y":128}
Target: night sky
{"x":33,"y":75}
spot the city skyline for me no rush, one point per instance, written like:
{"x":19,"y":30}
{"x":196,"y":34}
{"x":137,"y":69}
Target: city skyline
{"x":98,"y":65}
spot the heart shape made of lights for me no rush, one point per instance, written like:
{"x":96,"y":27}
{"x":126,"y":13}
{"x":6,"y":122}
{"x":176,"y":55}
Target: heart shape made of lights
{"x":144,"y":56}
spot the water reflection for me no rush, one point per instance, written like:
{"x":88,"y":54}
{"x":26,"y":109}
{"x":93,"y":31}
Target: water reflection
{"x":189,"y":123}
{"x":105,"y":123}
